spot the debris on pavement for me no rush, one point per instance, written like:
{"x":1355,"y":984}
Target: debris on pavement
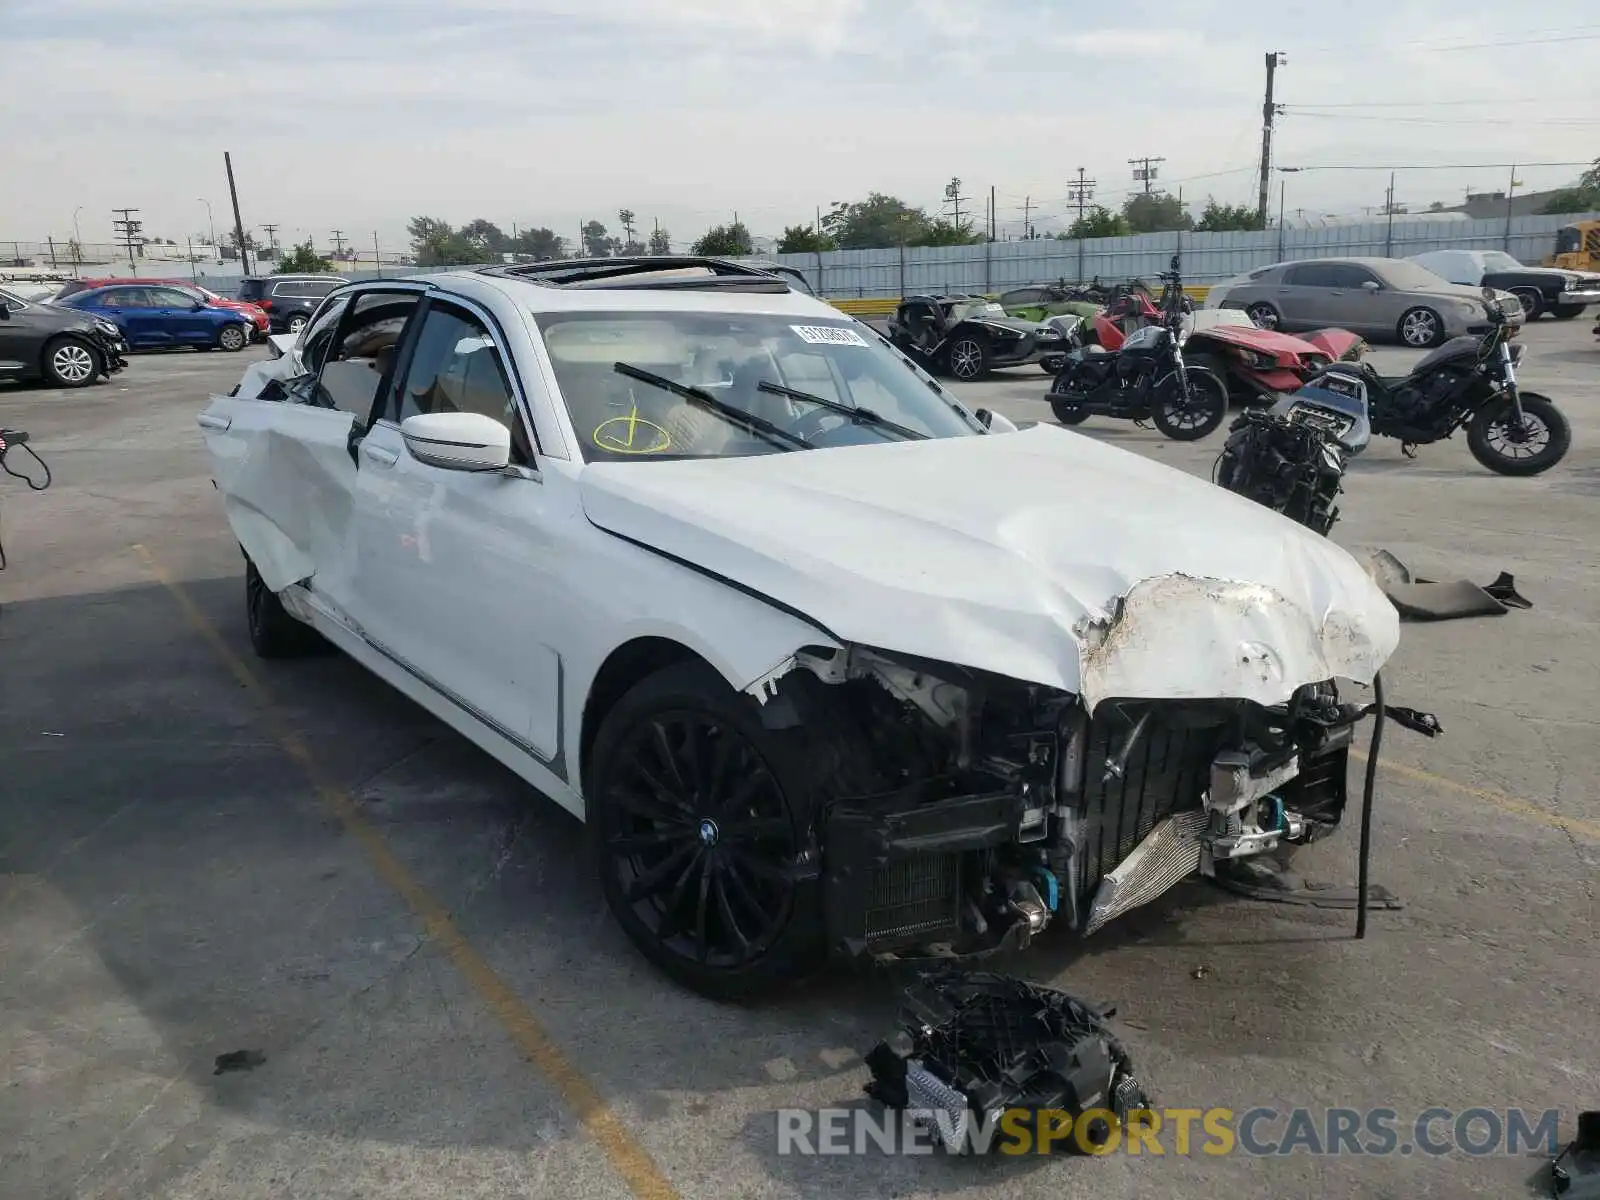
{"x":1419,"y":599}
{"x":975,"y":1043}
{"x":239,"y":1060}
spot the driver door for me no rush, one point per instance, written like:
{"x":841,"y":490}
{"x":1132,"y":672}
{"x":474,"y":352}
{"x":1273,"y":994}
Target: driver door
{"x":458,"y":572}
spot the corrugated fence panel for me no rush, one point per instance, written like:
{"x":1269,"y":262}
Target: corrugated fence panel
{"x":1207,"y":257}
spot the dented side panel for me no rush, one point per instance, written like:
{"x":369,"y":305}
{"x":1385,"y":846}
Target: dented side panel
{"x":288,"y":481}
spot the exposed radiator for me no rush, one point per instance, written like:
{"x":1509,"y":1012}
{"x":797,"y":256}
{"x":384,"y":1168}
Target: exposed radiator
{"x":914,"y":897}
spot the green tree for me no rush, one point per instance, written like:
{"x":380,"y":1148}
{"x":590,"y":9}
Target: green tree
{"x":302,"y":260}
{"x":487,"y":240}
{"x":437,"y":243}
{"x":1436,"y":206}
{"x":1223,"y":218}
{"x":1155,"y":212}
{"x":875,"y":223}
{"x":804,"y":239}
{"x":630,"y":244}
{"x":1098,"y":222}
{"x":596,"y":242}
{"x":660,"y":241}
{"x":727,"y":240}
{"x":539,"y":243}
{"x":943,"y":232}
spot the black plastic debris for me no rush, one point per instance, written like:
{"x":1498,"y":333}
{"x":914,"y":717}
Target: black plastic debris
{"x":238,"y":1060}
{"x":974,"y":1045}
{"x":1418,"y":599}
{"x":1575,"y":1174}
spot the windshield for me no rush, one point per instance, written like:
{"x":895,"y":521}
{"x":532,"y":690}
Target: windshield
{"x":12,"y":299}
{"x":1499,"y":260}
{"x":1411,"y":277}
{"x":966,"y":310}
{"x":623,"y":417}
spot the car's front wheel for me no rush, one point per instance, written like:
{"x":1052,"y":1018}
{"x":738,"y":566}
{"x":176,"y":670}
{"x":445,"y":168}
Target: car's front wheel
{"x":71,"y":363}
{"x":296,"y":323}
{"x":1421,"y":328}
{"x":701,"y":822}
{"x":1531,"y":300}
{"x":967,"y":359}
{"x":1565,"y":312}
{"x":232,"y":338}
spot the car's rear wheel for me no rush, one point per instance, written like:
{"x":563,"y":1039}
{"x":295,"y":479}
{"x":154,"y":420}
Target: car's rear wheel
{"x":1263,"y":315}
{"x":1565,"y":312}
{"x":232,"y":338}
{"x":296,"y":323}
{"x":967,"y":359}
{"x":273,"y":632}
{"x":701,"y":821}
{"x":70,"y":362}
{"x":1420,"y":328}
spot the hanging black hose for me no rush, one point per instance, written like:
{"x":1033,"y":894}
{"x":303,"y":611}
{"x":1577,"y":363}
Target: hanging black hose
{"x":1365,"y":852}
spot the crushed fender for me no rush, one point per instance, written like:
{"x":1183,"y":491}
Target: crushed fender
{"x":973,"y":1044}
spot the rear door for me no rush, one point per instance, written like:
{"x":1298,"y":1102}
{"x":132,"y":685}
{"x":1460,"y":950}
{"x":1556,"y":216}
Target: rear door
{"x":286,"y":468}
{"x":1304,"y":298}
{"x":137,"y":313}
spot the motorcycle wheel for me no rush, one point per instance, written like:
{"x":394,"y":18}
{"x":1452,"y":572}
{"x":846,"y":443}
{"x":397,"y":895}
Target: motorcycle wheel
{"x":1068,"y":415}
{"x":1205,"y":411}
{"x":1489,"y":436}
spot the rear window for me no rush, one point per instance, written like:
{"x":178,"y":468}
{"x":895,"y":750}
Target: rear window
{"x":251,"y":289}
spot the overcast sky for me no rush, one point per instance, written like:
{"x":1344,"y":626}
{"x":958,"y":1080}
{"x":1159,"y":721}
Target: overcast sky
{"x":358,"y":114}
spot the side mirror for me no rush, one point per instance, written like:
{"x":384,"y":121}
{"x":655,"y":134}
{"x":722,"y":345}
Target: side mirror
{"x":985,"y":417}
{"x":197,"y":306}
{"x":1370,"y":285}
{"x":458,"y":441}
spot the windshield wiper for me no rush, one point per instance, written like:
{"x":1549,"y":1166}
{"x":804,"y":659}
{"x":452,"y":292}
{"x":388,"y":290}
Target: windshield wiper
{"x":728,"y":412}
{"x":857,"y":414}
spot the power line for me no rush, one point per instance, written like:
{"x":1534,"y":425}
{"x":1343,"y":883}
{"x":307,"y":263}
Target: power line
{"x":1581,"y":37}
{"x":1570,"y":122}
{"x":1426,"y":166}
{"x":1145,"y":173}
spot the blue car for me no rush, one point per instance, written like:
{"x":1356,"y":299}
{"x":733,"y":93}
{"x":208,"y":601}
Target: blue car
{"x":155,"y":316}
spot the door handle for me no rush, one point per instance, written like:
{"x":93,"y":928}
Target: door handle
{"x":384,"y":458}
{"x":209,"y":421}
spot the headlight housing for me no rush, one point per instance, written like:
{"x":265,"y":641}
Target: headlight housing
{"x":107,"y":328}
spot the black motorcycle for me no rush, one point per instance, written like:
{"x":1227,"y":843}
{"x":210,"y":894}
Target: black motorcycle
{"x":1469,"y":382}
{"x":1145,"y":380}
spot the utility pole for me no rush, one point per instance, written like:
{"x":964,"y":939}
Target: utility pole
{"x":338,"y":243}
{"x":1511,"y":189}
{"x":1027,"y":217}
{"x":238,"y":221}
{"x":953,"y":197}
{"x":1080,"y":194}
{"x":194,"y":276}
{"x":127,"y":230}
{"x":272,"y":236}
{"x":1145,"y":173}
{"x":1269,"y":110}
{"x":1388,"y":207}
{"x":377,"y":256}
{"x":1282,"y":189}
{"x":994,"y":226}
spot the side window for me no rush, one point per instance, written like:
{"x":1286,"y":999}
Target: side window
{"x":361,"y":354}
{"x":171,"y":298}
{"x":457,"y":367}
{"x":1311,"y":275}
{"x":289,"y":291}
{"x":319,"y":335}
{"x":127,"y":298}
{"x":1348,"y":275}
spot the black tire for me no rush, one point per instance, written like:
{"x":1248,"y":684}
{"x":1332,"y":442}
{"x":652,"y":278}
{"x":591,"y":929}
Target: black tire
{"x":273,"y":632}
{"x":1068,"y":415}
{"x":71,"y":362}
{"x":1052,"y":366}
{"x":967,"y":359}
{"x":1214,"y":364}
{"x":296,"y":323}
{"x":1532,"y":301}
{"x":1565,"y":312}
{"x":1420,"y":328}
{"x":1494,"y":420}
{"x":1207,"y":408}
{"x":703,"y":865}
{"x":1264,"y":316}
{"x":233,"y":338}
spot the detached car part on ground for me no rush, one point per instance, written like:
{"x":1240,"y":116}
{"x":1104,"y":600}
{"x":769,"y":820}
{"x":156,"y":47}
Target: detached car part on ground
{"x":968,"y":336}
{"x":841,"y":672}
{"x":69,"y":349}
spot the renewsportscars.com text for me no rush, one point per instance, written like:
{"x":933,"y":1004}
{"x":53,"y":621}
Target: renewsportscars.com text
{"x":1256,"y":1132}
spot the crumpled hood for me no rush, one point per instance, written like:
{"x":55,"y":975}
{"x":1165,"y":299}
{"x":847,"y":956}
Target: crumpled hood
{"x":1266,"y":341}
{"x":1041,"y":555}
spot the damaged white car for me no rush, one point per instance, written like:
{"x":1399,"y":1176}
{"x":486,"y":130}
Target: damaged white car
{"x":828,"y":666}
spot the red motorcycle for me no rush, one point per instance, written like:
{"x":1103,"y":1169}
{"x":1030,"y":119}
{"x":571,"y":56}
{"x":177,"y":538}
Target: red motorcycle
{"x":1255,"y":365}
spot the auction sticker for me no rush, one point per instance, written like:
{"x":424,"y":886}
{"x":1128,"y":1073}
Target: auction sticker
{"x":829,"y":335}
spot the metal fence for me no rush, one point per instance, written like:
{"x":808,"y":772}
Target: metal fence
{"x":1207,"y":257}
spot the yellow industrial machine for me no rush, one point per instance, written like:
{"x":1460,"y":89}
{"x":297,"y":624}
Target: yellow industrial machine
{"x":1577,"y":247}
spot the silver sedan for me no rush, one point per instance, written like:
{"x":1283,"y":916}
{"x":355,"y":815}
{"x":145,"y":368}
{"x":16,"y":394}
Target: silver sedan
{"x":1375,"y":297}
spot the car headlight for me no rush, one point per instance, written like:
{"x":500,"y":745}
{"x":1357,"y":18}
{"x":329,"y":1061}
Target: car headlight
{"x":107,"y":328}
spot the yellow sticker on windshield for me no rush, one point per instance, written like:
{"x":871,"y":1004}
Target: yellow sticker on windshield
{"x":631,"y":434}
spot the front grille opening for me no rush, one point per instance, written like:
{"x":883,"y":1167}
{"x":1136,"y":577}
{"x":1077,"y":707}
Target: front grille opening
{"x":914,"y":898}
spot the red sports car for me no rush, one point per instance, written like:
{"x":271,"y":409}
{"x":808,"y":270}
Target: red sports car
{"x":257,"y":314}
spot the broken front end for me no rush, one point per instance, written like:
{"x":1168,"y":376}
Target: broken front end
{"x":1018,"y":809}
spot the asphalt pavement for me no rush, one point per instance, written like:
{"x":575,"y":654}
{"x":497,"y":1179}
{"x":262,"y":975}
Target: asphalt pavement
{"x":203,"y":854}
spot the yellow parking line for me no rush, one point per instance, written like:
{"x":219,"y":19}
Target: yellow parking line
{"x":631,"y":1160}
{"x":1500,"y":800}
